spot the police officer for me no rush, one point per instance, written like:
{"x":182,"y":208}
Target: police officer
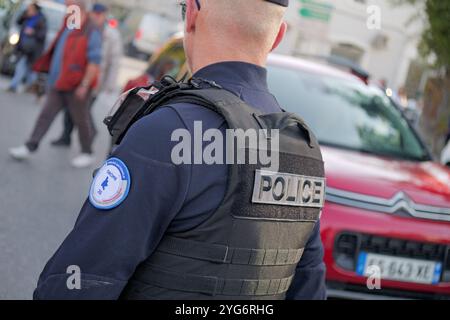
{"x":153,"y":229}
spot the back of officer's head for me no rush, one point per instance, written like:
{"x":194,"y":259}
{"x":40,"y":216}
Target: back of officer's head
{"x":232,"y":30}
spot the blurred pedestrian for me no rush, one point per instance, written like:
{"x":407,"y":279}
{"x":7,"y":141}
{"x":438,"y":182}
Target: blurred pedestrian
{"x":31,"y":45}
{"x":73,"y":63}
{"x":383,"y":84}
{"x":402,"y":97}
{"x":111,"y":55}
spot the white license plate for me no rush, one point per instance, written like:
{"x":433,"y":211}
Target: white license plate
{"x":399,"y":269}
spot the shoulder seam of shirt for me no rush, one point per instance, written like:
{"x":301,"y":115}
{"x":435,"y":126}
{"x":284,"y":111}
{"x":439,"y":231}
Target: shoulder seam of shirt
{"x":143,"y":157}
{"x":171,"y":106}
{"x":190,"y":166}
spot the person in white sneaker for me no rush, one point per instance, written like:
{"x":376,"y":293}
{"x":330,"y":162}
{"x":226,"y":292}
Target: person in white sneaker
{"x":84,"y":160}
{"x":71,"y":80}
{"x":20,"y":153}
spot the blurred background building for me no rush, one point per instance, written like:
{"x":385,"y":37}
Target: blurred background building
{"x":340,"y":28}
{"x":319,"y":28}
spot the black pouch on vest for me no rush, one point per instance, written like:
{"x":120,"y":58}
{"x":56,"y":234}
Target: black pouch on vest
{"x":125,"y":109}
{"x":131,"y":106}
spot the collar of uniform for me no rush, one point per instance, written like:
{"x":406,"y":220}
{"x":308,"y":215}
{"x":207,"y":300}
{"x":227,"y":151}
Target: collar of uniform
{"x":237,"y":73}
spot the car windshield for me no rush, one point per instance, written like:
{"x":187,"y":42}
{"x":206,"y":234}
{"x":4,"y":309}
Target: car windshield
{"x":346,"y":114}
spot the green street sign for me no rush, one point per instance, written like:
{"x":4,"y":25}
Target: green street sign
{"x":319,"y":5}
{"x":309,"y":13}
{"x":316,"y":10}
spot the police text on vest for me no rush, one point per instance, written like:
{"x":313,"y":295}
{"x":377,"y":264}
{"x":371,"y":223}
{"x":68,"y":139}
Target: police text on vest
{"x":288,"y":189}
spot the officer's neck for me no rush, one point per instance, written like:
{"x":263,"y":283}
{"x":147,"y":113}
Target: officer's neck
{"x":213,"y":52}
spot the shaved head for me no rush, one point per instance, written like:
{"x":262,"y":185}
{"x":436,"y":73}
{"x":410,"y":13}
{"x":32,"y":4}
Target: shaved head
{"x":254,"y":21}
{"x":232,"y":30}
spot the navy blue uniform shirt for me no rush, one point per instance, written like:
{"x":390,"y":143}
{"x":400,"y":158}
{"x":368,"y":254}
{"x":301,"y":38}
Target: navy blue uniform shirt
{"x":107,"y":246}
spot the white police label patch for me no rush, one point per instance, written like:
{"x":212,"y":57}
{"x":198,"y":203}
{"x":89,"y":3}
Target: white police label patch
{"x":288,"y":189}
{"x":111,"y":185}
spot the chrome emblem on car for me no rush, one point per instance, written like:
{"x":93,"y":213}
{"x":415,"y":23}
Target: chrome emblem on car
{"x":399,"y":204}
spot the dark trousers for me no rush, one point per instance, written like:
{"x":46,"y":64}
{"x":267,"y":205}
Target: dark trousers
{"x":79,"y":112}
{"x":69,"y":125}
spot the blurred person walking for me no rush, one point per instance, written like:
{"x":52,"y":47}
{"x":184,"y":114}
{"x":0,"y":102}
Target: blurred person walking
{"x":111,"y":54}
{"x":73,"y":64}
{"x":31,"y":45}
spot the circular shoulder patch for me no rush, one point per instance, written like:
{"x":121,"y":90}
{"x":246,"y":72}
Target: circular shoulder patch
{"x":111,"y":185}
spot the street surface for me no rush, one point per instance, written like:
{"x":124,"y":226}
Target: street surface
{"x":40,"y":199}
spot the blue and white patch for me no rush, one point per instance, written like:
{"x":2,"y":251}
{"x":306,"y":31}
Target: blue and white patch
{"x":111,"y":185}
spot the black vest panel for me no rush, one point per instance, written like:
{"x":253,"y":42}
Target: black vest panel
{"x":250,"y":246}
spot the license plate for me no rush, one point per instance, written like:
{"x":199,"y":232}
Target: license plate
{"x":399,"y":269}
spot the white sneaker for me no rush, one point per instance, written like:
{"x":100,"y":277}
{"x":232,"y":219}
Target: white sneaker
{"x":20,"y":153}
{"x":84,"y":160}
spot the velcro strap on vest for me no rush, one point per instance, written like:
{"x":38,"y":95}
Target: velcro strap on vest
{"x":224,"y":254}
{"x":154,"y":276}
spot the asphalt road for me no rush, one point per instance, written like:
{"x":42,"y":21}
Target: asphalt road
{"x":40,"y":199}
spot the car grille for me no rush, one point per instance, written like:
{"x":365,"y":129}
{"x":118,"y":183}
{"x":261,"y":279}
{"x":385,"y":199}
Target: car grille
{"x":348,"y":246}
{"x":400,"y":205}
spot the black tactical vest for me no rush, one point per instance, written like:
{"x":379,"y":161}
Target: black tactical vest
{"x":250,"y":246}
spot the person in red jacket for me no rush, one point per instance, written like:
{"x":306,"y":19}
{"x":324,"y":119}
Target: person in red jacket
{"x":73,"y":66}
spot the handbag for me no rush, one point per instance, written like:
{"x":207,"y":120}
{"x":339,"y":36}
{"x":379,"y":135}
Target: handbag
{"x":28,"y":45}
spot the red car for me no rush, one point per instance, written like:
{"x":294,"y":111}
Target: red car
{"x":388,"y":202}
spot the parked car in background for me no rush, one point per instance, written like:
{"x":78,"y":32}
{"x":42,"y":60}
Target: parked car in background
{"x":388,"y":202}
{"x":445,"y":155}
{"x":168,"y":60}
{"x":54,"y":13}
{"x":3,"y":28}
{"x":6,"y":7}
{"x":144,"y":33}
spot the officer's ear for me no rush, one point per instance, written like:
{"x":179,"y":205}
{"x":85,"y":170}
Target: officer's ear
{"x":191,"y":15}
{"x":280,"y":35}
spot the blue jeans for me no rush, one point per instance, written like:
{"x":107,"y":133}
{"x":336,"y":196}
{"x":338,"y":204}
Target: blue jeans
{"x":23,"y":70}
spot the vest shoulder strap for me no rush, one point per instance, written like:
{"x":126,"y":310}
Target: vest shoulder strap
{"x":235,"y":111}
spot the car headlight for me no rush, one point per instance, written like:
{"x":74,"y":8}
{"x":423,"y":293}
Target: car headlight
{"x":14,"y":39}
{"x":389,"y":92}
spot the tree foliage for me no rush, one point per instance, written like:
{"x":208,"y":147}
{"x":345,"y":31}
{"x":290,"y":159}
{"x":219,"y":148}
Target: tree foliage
{"x":436,"y":36}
